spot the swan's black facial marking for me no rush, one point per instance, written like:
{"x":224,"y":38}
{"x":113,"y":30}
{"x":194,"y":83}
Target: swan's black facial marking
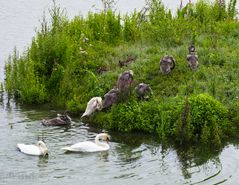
{"x":107,"y":139}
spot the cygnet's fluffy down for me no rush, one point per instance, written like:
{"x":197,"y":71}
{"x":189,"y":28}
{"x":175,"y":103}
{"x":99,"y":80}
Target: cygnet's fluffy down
{"x":60,"y":120}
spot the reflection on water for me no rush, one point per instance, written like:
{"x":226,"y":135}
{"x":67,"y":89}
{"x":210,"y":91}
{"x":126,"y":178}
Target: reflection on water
{"x":132,"y":158}
{"x":43,"y":160}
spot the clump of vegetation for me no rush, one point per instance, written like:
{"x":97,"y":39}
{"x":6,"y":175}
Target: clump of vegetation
{"x":198,"y":118}
{"x":69,"y":62}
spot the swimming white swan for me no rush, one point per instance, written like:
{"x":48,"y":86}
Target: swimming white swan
{"x":38,"y":149}
{"x":88,"y":146}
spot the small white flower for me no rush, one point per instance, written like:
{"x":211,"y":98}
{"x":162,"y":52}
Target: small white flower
{"x":84,"y":52}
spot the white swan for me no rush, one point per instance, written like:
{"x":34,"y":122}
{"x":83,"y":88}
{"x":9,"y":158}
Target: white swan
{"x":88,"y":146}
{"x":38,"y":149}
{"x":94,"y":104}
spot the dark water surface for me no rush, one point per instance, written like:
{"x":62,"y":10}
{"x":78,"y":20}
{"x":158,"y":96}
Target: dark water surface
{"x":132,"y":158}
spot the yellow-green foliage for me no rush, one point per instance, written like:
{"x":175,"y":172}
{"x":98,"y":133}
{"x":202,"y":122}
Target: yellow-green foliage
{"x":208,"y":117}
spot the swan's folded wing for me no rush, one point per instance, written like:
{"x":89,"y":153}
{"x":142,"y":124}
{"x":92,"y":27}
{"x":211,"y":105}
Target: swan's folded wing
{"x":29,"y":149}
{"x":86,"y":146}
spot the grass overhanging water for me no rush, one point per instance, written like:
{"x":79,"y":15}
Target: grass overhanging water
{"x":71,"y":61}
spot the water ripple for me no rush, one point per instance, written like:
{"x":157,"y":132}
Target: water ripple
{"x":132,"y":159}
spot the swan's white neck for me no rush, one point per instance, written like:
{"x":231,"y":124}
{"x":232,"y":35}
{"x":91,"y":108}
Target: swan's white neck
{"x":43,"y":149}
{"x":68,"y":117}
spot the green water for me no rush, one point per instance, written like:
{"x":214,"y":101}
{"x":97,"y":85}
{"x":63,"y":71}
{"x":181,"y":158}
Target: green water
{"x":132,"y":158}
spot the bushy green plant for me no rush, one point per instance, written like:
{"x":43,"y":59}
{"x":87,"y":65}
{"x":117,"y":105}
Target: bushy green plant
{"x":234,"y":115}
{"x":22,"y":81}
{"x":209,"y":118}
{"x":199,"y":118}
{"x":232,"y":12}
{"x":131,"y":30}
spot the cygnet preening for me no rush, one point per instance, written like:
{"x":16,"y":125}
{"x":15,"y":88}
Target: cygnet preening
{"x":167,"y":64}
{"x":111,"y":98}
{"x":143,"y":91}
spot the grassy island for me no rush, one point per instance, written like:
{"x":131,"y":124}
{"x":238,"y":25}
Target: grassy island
{"x":70,"y":61}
